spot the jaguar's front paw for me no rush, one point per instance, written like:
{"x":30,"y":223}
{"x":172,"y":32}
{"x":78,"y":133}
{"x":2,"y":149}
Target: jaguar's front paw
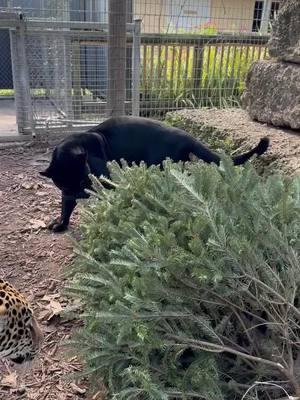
{"x":57,"y":226}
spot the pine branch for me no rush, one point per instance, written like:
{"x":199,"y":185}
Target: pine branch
{"x":216,"y":348}
{"x":276,"y":294}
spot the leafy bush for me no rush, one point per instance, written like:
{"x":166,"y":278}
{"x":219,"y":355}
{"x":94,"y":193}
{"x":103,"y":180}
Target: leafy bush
{"x":190,"y":283}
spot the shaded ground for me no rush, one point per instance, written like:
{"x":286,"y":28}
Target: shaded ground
{"x":34,"y":260}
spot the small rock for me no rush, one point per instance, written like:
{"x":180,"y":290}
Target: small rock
{"x":27,"y":185}
{"x":40,"y":193}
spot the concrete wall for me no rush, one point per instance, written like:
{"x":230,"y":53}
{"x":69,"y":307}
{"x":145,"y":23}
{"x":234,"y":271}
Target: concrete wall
{"x":153,"y":14}
{"x":232,"y":15}
{"x":226,"y":15}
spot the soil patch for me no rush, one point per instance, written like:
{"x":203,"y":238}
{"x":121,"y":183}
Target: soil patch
{"x":34,"y":260}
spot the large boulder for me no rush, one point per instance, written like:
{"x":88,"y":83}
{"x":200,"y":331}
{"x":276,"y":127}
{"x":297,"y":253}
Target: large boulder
{"x":285,"y":39}
{"x":272,"y":93}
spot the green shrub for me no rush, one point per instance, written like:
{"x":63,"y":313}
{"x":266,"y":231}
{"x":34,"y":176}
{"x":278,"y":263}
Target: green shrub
{"x":189,"y":283}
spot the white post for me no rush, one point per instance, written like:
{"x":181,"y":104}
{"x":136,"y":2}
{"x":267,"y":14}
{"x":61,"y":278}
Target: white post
{"x":265,"y":20}
{"x":67,"y":73}
{"x":23,"y":101}
{"x":136,"y":68}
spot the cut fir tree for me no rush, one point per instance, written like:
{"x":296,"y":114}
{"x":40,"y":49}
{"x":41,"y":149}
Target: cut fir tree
{"x":189,"y":282}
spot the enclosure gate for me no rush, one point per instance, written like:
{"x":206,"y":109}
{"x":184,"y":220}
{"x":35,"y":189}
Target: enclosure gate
{"x":60,"y":71}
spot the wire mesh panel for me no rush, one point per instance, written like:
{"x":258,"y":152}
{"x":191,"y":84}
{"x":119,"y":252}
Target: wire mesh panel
{"x":183,"y":53}
{"x":197,"y":53}
{"x":196,"y":72}
{"x":6,"y":79}
{"x":48,"y":58}
{"x":66,"y":55}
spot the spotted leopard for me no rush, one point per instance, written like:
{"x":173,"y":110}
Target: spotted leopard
{"x":20,"y":334}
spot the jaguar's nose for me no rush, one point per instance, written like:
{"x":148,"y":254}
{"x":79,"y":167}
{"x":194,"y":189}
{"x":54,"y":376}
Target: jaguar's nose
{"x":18,"y":360}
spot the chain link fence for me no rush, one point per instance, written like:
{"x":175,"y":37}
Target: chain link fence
{"x":178,"y":54}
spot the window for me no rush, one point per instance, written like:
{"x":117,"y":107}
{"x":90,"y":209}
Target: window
{"x":274,"y":10}
{"x":257,"y":16}
{"x":272,"y":7}
{"x":273,"y":14}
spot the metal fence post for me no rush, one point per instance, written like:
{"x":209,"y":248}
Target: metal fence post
{"x":136,"y":67}
{"x":198,"y":69}
{"x":67,"y":73}
{"x":116,"y":58}
{"x":68,"y":78}
{"x":23,"y":103}
{"x":76,"y":69}
{"x":265,"y":20}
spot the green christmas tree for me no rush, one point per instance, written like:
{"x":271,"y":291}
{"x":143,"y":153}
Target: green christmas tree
{"x":188,"y":280}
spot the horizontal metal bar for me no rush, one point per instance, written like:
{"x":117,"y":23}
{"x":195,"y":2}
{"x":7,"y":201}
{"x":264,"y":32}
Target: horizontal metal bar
{"x":32,"y":23}
{"x":9,"y":23}
{"x":14,"y":19}
{"x":147,"y":39}
{"x":11,"y":16}
{"x":15,"y":138}
{"x":58,"y":129}
{"x":76,"y":35}
{"x":167,"y":38}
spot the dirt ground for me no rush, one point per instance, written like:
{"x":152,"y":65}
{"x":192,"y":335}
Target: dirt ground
{"x":34,"y":260}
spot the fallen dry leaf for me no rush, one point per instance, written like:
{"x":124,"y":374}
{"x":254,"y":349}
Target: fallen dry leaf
{"x":9,"y":380}
{"x":55,"y":306}
{"x":37,"y":224}
{"x":76,"y":389}
{"x":50,"y":297}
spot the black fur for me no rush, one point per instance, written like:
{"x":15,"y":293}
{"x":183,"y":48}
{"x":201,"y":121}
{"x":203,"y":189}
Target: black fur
{"x":129,"y":138}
